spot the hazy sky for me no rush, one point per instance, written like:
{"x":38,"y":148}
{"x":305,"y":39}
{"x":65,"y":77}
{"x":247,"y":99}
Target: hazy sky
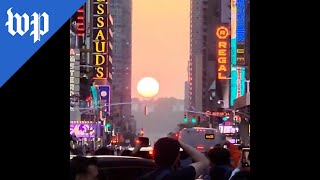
{"x":160,"y":44}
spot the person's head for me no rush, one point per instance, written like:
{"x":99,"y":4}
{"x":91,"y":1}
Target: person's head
{"x":83,"y":168}
{"x":104,"y":151}
{"x":219,"y":156}
{"x":126,"y":152}
{"x":241,"y":175}
{"x":93,"y":170}
{"x":166,"y":152}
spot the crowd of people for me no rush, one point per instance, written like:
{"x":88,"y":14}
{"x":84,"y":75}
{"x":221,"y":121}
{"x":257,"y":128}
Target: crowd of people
{"x":220,"y":163}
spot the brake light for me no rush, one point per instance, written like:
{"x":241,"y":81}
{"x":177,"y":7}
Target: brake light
{"x":200,"y":147}
{"x":151,"y":152}
{"x":137,"y":141}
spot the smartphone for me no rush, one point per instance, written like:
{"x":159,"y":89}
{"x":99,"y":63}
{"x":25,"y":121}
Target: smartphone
{"x":144,"y":141}
{"x":245,"y":157}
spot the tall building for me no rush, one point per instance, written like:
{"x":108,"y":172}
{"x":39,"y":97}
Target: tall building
{"x":121,"y":11}
{"x":90,"y":63}
{"x":204,"y":18}
{"x":197,"y":50}
{"x":186,"y":95}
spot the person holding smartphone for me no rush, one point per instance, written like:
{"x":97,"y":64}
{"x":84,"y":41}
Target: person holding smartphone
{"x":234,"y":151}
{"x":243,"y":165}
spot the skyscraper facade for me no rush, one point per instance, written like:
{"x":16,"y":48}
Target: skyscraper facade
{"x":204,"y":18}
{"x":121,"y":11}
{"x":197,"y":52}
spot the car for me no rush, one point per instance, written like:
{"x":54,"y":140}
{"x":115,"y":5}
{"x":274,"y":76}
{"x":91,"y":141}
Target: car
{"x":201,"y":138}
{"x":145,"y":152}
{"x":122,"y":167}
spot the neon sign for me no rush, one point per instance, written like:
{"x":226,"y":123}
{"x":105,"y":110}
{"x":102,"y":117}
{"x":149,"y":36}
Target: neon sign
{"x":240,"y":31}
{"x":218,"y":114}
{"x":100,"y":39}
{"x":222,"y":34}
{"x":80,"y":22}
{"x":240,"y":54}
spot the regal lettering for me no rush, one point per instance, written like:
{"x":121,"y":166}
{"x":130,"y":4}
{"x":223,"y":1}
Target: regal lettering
{"x":222,"y":52}
{"x":222,"y":60}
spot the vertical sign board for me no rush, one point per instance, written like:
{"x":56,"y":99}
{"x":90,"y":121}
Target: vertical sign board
{"x":100,"y":39}
{"x":105,"y":96}
{"x":237,"y":43}
{"x":74,"y":79}
{"x":233,"y":62}
{"x":241,"y":6}
{"x":223,"y":67}
{"x":81,"y":22}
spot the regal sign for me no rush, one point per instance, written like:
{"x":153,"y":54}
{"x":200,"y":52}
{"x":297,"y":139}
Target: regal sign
{"x":100,"y":39}
{"x":223,"y":52}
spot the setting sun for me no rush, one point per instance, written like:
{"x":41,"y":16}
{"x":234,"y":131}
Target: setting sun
{"x":148,"y":87}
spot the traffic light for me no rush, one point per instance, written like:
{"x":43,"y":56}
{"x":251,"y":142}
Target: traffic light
{"x":141,"y":132}
{"x":220,"y":120}
{"x":185,"y":119}
{"x":193,"y":120}
{"x":107,"y":125}
{"x":225,"y":118}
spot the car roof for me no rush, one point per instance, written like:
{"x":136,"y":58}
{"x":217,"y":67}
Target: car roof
{"x":109,"y":161}
{"x":142,"y":149}
{"x":147,"y":149}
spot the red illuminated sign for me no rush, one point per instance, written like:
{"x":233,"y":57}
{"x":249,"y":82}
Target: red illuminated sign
{"x":80,"y":22}
{"x":222,"y":34}
{"x":219,"y":114}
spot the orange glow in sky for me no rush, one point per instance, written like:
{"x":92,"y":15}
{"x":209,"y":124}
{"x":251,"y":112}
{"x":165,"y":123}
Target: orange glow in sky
{"x":160,"y":44}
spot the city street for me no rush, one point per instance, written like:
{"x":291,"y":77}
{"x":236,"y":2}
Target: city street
{"x":141,"y":71}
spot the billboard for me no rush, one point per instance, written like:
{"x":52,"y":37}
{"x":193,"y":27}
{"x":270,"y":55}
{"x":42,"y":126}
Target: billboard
{"x":237,"y":86}
{"x":223,"y":67}
{"x":74,"y":79}
{"x":228,"y":129}
{"x":240,"y":34}
{"x":240,"y":53}
{"x":233,"y":54}
{"x":105,"y":97}
{"x":100,"y":39}
{"x":82,"y":129}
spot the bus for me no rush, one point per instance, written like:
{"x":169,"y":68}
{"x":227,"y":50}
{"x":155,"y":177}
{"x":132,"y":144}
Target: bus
{"x":201,"y":138}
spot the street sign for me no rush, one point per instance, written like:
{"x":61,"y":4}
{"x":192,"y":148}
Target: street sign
{"x":105,"y":96}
